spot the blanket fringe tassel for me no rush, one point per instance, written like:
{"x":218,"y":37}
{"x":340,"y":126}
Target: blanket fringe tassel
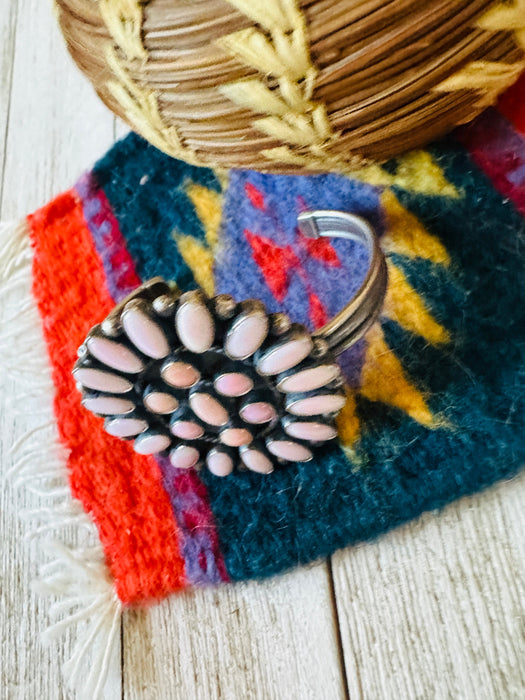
{"x":75,"y":574}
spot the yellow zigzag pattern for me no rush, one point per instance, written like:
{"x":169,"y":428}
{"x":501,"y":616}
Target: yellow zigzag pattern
{"x":383,"y":377}
{"x":404,"y":306}
{"x":197,"y":256}
{"x":416,"y":171}
{"x":406,"y":236}
{"x":382,"y":367}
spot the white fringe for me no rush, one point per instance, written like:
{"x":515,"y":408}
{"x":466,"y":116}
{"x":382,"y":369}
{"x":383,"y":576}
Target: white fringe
{"x":76,"y":574}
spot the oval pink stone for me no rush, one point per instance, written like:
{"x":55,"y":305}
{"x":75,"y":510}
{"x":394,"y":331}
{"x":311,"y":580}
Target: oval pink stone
{"x":145,"y":334}
{"x":257,"y":461}
{"x":219,"y":463}
{"x":317,"y":405}
{"x":208,"y":409}
{"x":108,"y":405}
{"x":235,"y":437}
{"x":114,"y":355}
{"x":151,"y":444}
{"x":195,"y":326}
{"x":181,"y":375}
{"x":102,"y":381}
{"x":233,"y":384}
{"x":309,"y":379}
{"x":187,"y":430}
{"x":246,"y":335}
{"x":258,"y":412}
{"x":126,"y":427}
{"x":184,"y":457}
{"x":291,"y":451}
{"x":285,"y":356}
{"x":317,"y":432}
{"x":160,"y":402}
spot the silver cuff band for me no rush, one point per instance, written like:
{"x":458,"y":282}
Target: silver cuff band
{"x":353,"y":321}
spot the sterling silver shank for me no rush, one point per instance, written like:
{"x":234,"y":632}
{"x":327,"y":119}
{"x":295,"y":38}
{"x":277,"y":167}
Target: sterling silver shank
{"x":363,"y":309}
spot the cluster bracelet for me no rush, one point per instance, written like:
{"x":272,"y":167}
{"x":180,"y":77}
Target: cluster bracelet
{"x":222,"y":383}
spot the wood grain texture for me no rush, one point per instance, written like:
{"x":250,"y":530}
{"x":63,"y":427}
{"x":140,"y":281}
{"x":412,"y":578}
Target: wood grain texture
{"x":253,"y":641}
{"x":436,"y":608}
{"x":432,"y":611}
{"x":7,"y":33}
{"x":46,"y":148}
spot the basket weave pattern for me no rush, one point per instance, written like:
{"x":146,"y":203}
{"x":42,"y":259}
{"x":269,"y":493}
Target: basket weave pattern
{"x":295,"y":86}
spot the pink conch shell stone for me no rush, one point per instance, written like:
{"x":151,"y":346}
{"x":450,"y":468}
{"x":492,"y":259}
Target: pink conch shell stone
{"x":102,"y":381}
{"x":317,"y":405}
{"x":145,"y":334}
{"x":126,"y":427}
{"x":208,"y":409}
{"x":235,"y":437}
{"x":291,"y":451}
{"x":310,"y":379}
{"x":151,"y":444}
{"x":160,"y":402}
{"x":317,"y":432}
{"x":184,"y":457}
{"x":233,"y":384}
{"x":257,"y":461}
{"x":246,"y":335}
{"x":114,"y":355}
{"x":181,"y":375}
{"x":219,"y":463}
{"x":258,"y":412}
{"x":187,"y":430}
{"x":108,"y":405}
{"x":285,"y":356}
{"x":195,"y":326}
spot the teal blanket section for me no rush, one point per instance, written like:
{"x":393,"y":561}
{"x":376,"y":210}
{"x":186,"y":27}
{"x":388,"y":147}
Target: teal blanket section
{"x":398,"y":468}
{"x":476,"y":384}
{"x":146,"y":189}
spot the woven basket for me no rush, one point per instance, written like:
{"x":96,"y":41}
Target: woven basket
{"x":287,"y":86}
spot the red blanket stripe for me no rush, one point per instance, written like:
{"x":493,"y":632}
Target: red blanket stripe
{"x":512,"y":105}
{"x":120,"y":489}
{"x":498,"y":150}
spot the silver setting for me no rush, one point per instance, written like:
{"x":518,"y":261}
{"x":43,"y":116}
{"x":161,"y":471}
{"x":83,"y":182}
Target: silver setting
{"x":225,"y":306}
{"x":280,"y":323}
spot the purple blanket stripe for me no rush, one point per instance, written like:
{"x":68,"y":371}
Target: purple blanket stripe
{"x":204,"y":563}
{"x":121,"y":277}
{"x":199,"y":539}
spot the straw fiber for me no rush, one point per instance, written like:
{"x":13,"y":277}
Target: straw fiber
{"x":288,"y":86}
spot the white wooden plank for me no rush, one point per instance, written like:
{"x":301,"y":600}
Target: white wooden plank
{"x":7,"y":32}
{"x":120,"y":130}
{"x":255,"y":641}
{"x":56,"y":127}
{"x":436,"y":608}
